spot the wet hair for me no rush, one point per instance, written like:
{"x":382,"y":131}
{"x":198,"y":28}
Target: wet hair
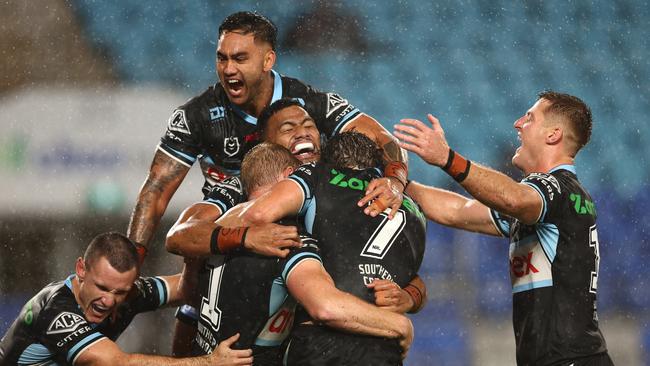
{"x":352,"y":150}
{"x":264,"y":163}
{"x":116,"y":248}
{"x":247,"y":22}
{"x":574,"y":111}
{"x":273,"y":108}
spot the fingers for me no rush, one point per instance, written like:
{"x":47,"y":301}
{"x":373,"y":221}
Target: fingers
{"x":373,"y":191}
{"x":414,"y":123}
{"x":230,"y":341}
{"x":379,"y":285}
{"x":242,"y":353}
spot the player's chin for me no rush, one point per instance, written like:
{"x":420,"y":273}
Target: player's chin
{"x":308,"y":157}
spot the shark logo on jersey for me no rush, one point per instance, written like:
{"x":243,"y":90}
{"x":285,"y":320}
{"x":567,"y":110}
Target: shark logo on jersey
{"x":66,"y":322}
{"x":178,"y":123}
{"x":334,"y":102}
{"x":231,"y":145}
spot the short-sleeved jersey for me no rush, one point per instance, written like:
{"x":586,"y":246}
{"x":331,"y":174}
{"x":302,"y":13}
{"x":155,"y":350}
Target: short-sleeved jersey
{"x":208,"y":127}
{"x":357,"y":248}
{"x":246,"y":293}
{"x":554,"y":272}
{"x":52,"y":329}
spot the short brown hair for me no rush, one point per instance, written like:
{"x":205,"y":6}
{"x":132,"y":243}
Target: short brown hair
{"x":574,"y":111}
{"x":263,"y":163}
{"x":247,"y":22}
{"x":118,"y":250}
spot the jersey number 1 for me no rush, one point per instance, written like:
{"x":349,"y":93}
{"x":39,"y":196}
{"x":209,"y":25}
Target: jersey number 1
{"x":209,"y":309}
{"x":593,"y":242}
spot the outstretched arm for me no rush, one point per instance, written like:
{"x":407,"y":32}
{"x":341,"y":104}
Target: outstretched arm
{"x":314,"y":289}
{"x":165,"y":176}
{"x":106,"y":352}
{"x":493,"y":189}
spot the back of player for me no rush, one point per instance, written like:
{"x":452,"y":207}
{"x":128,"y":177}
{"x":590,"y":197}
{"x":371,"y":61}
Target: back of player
{"x":356,"y":249}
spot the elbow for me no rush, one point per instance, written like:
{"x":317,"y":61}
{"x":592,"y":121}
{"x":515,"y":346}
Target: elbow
{"x":324,"y":313}
{"x":172,"y":242}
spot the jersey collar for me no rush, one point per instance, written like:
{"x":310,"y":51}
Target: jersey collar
{"x":277,"y":94}
{"x":569,"y":167}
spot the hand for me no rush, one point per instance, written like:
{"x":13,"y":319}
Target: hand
{"x":223,"y":355}
{"x":384,"y":193}
{"x":405,"y":342}
{"x":269,"y":239}
{"x":428,"y":142}
{"x":390,"y":296}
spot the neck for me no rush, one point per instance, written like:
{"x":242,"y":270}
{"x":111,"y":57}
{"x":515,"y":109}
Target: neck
{"x":75,"y":288}
{"x":263,"y":98}
{"x":546,"y":165}
{"x":260,"y":191}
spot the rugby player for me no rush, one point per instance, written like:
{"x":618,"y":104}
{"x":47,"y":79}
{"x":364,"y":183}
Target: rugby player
{"x":78,"y":320}
{"x":249,"y":292}
{"x":549,"y":217}
{"x":356,"y":249}
{"x":220,"y":125}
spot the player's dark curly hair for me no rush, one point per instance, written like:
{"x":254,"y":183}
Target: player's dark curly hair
{"x":275,"y":107}
{"x":116,"y":248}
{"x":247,"y":22}
{"x":352,"y":150}
{"x":574,"y":111}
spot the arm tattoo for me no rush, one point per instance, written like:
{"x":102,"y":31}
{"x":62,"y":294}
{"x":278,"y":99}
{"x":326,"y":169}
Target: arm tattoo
{"x":392,"y":152}
{"x":149,"y":208}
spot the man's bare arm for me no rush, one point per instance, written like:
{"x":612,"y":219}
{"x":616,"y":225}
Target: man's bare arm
{"x":106,"y":352}
{"x":314,"y":289}
{"x":165,"y":176}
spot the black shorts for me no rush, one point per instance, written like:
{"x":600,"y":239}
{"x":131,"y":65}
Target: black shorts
{"x":316,"y":345}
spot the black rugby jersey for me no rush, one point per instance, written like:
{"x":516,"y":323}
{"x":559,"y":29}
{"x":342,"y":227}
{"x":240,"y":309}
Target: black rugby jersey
{"x":554,"y":272}
{"x":355,"y":247}
{"x":210,"y":128}
{"x":246,"y":293}
{"x":52,"y":329}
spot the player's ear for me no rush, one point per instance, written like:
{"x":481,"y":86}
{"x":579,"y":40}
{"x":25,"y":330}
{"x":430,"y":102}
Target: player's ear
{"x":269,"y":60}
{"x":80,"y":269}
{"x":554,"y":135}
{"x":287,"y":172}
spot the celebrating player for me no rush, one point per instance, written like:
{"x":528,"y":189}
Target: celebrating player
{"x":78,"y":320}
{"x":550,"y":220}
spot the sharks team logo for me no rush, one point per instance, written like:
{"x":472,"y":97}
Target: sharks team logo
{"x":178,"y":123}
{"x":231,"y":146}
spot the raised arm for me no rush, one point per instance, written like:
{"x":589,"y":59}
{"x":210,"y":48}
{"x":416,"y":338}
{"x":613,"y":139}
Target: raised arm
{"x":106,"y":352}
{"x":492,"y":188}
{"x":314,"y":289}
{"x":165,"y":176}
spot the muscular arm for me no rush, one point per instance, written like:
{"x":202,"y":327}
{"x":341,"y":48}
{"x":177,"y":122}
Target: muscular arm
{"x":313,"y":287}
{"x":384,"y":139}
{"x":190,"y":235}
{"x":106,"y":352}
{"x":165,"y":176}
{"x":493,"y":189}
{"x":451,"y":209}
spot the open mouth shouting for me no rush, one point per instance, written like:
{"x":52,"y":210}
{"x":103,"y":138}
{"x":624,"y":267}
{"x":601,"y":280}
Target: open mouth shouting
{"x":235,"y":87}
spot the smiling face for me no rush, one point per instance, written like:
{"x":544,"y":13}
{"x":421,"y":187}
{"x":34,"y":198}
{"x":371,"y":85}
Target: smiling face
{"x":293,"y":128}
{"x":102,"y":288}
{"x":242,"y":64}
{"x":532,"y":131}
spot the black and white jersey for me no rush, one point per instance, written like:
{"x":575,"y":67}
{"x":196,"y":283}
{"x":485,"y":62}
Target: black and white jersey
{"x":356,"y":249}
{"x":51,"y":328}
{"x":246,"y":293}
{"x":554,"y":272}
{"x":209,"y":128}
{"x":225,"y":194}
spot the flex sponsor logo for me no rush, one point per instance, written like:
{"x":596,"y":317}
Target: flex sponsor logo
{"x":529,"y":266}
{"x":231,"y":145}
{"x":65,"y":322}
{"x":372,"y":271}
{"x":334,"y":102}
{"x":177,"y":122}
{"x":277,"y":328}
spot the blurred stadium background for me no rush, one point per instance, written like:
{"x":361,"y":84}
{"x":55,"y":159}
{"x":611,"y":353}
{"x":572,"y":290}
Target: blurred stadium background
{"x":87,"y":87}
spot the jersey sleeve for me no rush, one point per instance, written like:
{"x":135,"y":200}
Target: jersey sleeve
{"x":548,"y":187}
{"x":63,"y":329}
{"x":501,"y":222}
{"x":226,"y":194}
{"x":331,"y":111}
{"x":308,"y":251}
{"x":181,"y":141}
{"x":305,"y":177}
{"x":150,"y":294}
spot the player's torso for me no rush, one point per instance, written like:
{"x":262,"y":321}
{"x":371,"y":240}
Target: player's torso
{"x":356,"y":248}
{"x":242,"y":294}
{"x":554,"y":272}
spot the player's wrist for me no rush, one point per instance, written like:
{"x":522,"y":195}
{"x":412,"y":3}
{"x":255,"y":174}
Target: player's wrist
{"x":225,"y":240}
{"x":142,"y":252}
{"x":457,"y":166}
{"x":398,"y":171}
{"x":416,"y":296}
